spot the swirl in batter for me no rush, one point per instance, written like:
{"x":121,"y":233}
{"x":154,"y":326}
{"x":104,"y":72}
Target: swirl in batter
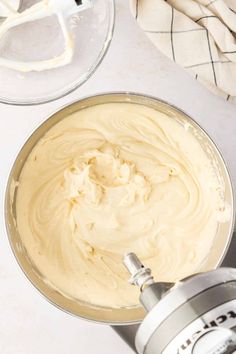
{"x":112,"y":179}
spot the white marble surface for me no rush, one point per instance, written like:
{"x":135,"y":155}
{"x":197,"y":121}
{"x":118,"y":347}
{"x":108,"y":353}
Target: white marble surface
{"x":28,"y":324}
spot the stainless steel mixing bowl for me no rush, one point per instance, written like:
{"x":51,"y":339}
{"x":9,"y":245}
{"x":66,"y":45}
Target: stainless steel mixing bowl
{"x":86,"y":310}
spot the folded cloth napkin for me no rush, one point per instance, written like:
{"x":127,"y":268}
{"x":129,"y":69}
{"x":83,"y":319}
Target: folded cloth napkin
{"x":200,"y":35}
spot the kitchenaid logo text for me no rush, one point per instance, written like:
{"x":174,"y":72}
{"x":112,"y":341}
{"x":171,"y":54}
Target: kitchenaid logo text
{"x":218,"y":321}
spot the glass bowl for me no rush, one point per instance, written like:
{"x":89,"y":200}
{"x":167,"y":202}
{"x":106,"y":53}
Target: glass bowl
{"x":42,"y":39}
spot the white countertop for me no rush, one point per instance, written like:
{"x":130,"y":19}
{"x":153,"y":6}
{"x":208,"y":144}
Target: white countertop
{"x":29,"y":324}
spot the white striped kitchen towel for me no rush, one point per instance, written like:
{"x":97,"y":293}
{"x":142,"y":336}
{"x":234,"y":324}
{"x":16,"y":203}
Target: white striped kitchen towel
{"x":200,"y":35}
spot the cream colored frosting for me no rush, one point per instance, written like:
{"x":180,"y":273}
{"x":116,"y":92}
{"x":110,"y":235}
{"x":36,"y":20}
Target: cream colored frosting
{"x":112,"y":179}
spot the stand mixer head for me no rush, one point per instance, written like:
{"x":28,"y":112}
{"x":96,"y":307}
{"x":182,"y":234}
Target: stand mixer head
{"x":194,"y":316}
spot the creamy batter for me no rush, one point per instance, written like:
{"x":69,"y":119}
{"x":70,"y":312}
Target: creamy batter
{"x":112,"y":179}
